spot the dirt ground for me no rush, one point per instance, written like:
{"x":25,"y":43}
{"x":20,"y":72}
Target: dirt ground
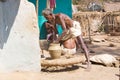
{"x":98,"y":72}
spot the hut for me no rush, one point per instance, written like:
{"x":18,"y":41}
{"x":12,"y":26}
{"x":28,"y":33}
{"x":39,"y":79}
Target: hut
{"x":112,"y":6}
{"x":19,"y":37}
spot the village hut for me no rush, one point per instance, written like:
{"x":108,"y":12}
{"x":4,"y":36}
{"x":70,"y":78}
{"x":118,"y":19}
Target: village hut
{"x":19,"y":37}
{"x":111,"y":6}
{"x":20,"y":31}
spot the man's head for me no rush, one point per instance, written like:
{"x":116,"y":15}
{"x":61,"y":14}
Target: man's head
{"x":47,"y":13}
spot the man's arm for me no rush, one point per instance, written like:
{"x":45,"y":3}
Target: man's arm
{"x":63,"y":27}
{"x":86,"y":51}
{"x":49,"y":25}
{"x":62,"y":22}
{"x":77,"y":43}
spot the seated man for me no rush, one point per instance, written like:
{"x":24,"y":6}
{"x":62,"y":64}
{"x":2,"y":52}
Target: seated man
{"x":68,"y":46}
{"x":71,"y":29}
{"x":51,"y":32}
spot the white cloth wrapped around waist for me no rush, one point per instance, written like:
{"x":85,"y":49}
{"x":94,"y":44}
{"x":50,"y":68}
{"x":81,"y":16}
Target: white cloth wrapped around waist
{"x":76,"y":29}
{"x":67,"y":36}
{"x":73,"y":31}
{"x":68,"y":51}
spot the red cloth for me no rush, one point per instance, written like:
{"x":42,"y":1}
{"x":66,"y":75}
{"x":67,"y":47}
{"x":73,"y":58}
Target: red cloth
{"x":52,"y":3}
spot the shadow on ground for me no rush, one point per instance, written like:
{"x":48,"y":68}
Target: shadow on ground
{"x":61,"y":69}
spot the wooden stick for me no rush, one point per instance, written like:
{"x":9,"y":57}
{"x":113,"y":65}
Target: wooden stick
{"x":37,"y":6}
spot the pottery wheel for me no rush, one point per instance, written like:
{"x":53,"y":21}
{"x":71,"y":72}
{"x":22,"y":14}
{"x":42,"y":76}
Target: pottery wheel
{"x":62,"y":61}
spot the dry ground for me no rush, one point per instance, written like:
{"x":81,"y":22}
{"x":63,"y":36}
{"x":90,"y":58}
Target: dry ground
{"x":97,"y":72}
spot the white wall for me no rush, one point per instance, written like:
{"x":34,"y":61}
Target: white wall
{"x":19,"y":37}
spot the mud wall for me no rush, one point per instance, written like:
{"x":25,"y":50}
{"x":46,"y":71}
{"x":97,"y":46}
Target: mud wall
{"x":19,"y":37}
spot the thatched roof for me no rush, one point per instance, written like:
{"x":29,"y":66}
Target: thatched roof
{"x":112,"y":6}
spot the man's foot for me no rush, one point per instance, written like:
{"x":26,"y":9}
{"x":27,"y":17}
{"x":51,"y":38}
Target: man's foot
{"x":88,"y":65}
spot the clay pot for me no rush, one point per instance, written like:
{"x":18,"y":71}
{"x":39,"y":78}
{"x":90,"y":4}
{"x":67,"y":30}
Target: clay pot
{"x":55,"y":50}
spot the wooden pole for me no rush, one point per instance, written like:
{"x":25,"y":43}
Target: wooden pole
{"x":88,"y":18}
{"x":37,"y":6}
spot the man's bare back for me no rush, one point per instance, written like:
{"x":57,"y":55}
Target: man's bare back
{"x":69,"y":47}
{"x":63,"y":20}
{"x":70,"y":43}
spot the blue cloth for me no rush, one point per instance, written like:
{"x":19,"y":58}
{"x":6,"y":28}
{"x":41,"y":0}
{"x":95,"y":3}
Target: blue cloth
{"x":42,"y":28}
{"x":60,"y":30}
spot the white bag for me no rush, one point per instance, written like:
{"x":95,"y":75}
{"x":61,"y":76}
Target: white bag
{"x":105,"y":59}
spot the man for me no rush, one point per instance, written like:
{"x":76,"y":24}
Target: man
{"x":51,"y":32}
{"x":51,"y":35}
{"x":71,"y":29}
{"x":68,"y":46}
